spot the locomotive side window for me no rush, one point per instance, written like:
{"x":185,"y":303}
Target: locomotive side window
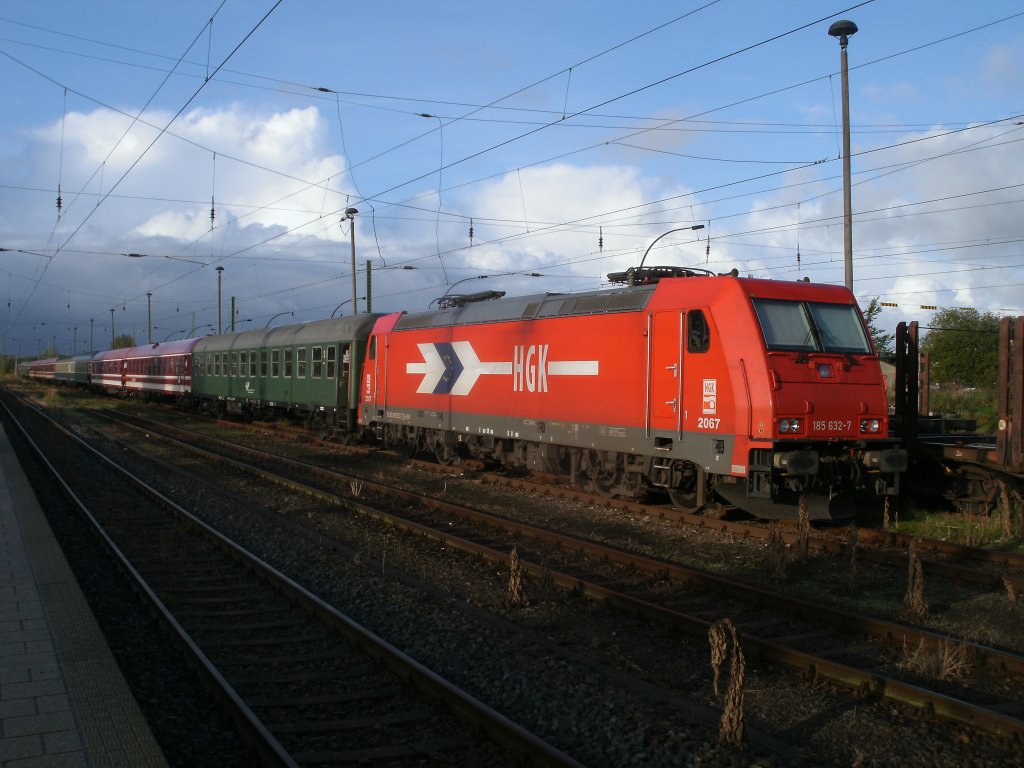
{"x":275,"y":363}
{"x":332,"y":361}
{"x":698,"y":334}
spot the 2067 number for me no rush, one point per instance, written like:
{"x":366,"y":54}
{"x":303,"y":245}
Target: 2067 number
{"x":708,"y":423}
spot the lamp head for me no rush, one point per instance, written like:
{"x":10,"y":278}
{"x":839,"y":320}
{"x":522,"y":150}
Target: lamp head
{"x":842,"y":29}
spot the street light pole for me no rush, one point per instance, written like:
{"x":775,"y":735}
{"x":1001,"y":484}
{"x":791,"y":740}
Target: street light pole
{"x":149,"y":316}
{"x":695,"y":227}
{"x":843,"y":30}
{"x":111,"y":327}
{"x":350,"y":214}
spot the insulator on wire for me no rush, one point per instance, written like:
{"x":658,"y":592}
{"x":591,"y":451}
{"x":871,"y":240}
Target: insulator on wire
{"x":600,"y":239}
{"x":213,"y":213}
{"x":60,"y":201}
{"x":470,"y":233}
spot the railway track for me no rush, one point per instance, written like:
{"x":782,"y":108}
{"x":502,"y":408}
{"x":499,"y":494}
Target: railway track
{"x":859,"y":651}
{"x":983,"y":567}
{"x":305,"y":684}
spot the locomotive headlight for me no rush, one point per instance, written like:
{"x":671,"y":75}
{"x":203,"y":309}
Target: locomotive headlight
{"x":790,"y":426}
{"x":870,"y":426}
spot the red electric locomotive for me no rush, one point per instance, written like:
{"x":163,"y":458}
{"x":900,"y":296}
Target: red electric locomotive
{"x":161,"y":370}
{"x":714,"y":388}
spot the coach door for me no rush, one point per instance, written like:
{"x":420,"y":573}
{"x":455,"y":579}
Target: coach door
{"x":665,"y":372}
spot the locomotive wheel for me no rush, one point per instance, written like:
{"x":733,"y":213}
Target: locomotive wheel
{"x":685,"y":496}
{"x":414,"y":445}
{"x":445,"y":454}
{"x":603,"y":478}
{"x":682,"y":498}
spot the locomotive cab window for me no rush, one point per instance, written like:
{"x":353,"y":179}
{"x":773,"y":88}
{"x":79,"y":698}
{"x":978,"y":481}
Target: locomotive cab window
{"x":698,"y":334}
{"x":799,"y":326}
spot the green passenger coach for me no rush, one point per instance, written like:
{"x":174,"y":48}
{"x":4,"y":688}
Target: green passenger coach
{"x":309,"y":370}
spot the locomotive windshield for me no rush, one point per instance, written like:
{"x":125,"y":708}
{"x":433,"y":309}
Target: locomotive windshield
{"x":806,"y":326}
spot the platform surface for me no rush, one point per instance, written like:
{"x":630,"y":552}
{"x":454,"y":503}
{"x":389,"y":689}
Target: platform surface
{"x":63,"y":700}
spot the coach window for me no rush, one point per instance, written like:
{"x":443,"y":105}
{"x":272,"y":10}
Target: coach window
{"x":252,"y":364}
{"x":346,"y":357}
{"x":234,"y":363}
{"x":318,"y":363}
{"x":275,"y":363}
{"x":288,"y":362}
{"x":263,"y":363}
{"x":217,"y":364}
{"x":300,"y":361}
{"x":243,"y":362}
{"x":698,"y":335}
{"x":332,"y":361}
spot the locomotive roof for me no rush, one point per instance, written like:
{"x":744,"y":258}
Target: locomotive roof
{"x":317,"y":331}
{"x":530,"y":307}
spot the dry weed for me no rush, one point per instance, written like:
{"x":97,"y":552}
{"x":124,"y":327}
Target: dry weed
{"x":915,"y":607}
{"x":803,"y":529}
{"x":778,"y":554}
{"x":946,"y":660}
{"x":722,"y":637}
{"x":851,"y":543}
{"x":516,"y":595}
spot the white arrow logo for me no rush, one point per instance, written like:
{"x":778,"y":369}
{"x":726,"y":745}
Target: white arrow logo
{"x":453,"y":368}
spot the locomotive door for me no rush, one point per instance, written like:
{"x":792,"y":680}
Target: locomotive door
{"x":665,"y":371}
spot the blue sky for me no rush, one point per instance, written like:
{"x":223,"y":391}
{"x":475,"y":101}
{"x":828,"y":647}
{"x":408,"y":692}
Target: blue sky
{"x":567,"y":135}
